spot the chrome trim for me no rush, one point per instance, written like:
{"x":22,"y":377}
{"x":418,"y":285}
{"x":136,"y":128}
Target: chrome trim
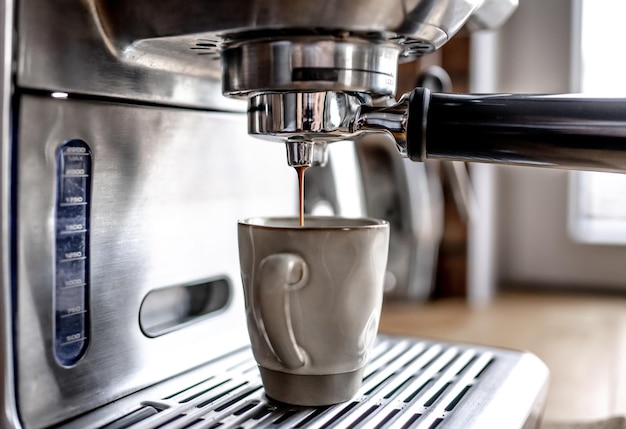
{"x":9,"y":415}
{"x":492,"y":14}
{"x":323,"y":116}
{"x":316,"y":63}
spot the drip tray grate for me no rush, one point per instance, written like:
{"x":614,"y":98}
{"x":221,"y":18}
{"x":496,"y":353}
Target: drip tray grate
{"x":408,"y":383}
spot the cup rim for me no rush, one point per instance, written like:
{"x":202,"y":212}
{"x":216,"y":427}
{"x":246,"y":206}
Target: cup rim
{"x":293,"y":223}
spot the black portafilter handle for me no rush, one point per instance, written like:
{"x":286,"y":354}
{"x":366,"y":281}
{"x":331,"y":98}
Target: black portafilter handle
{"x":558,"y":131}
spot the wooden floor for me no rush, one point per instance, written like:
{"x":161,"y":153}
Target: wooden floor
{"x":581,"y":337}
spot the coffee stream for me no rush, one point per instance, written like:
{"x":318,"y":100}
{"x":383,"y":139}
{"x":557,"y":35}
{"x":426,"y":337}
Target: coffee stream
{"x":300,"y":170}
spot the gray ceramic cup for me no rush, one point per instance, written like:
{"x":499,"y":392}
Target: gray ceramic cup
{"x":313,"y":298}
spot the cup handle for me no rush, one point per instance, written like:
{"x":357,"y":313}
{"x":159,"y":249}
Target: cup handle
{"x":279,"y":274}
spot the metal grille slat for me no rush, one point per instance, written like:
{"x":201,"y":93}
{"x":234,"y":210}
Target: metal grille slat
{"x":466,"y":377}
{"x":385,"y":353}
{"x":383,"y":374}
{"x":190,"y":410}
{"x":466,"y":381}
{"x":433,"y":361}
{"x":446,"y":379}
{"x":224,"y":410}
{"x":398,"y":382}
{"x":247,"y":419}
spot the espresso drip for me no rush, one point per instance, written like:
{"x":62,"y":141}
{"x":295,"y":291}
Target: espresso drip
{"x":300,"y":171}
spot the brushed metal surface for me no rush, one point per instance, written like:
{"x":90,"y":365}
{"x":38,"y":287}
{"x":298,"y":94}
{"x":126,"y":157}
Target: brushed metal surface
{"x":94,"y":66}
{"x":138,"y":20}
{"x":167,"y":188}
{"x":145,"y":30}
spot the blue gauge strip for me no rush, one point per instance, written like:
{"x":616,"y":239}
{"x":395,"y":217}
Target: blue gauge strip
{"x":72,"y":252}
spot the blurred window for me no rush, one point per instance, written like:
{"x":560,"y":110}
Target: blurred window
{"x":597,"y":212}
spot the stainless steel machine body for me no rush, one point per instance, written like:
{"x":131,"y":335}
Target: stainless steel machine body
{"x":123,"y":171}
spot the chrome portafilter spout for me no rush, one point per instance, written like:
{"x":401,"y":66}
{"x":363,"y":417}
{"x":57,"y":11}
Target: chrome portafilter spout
{"x":306,"y":154}
{"x":305,"y":121}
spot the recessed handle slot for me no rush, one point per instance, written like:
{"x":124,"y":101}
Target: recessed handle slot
{"x":171,"y":308}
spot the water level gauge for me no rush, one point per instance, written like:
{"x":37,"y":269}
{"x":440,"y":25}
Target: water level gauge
{"x":71,"y":293}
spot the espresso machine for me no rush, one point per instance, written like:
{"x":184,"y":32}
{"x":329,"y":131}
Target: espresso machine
{"x":132,"y":141}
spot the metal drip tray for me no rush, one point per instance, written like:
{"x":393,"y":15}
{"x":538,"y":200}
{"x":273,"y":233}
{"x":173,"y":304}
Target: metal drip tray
{"x":408,"y":383}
